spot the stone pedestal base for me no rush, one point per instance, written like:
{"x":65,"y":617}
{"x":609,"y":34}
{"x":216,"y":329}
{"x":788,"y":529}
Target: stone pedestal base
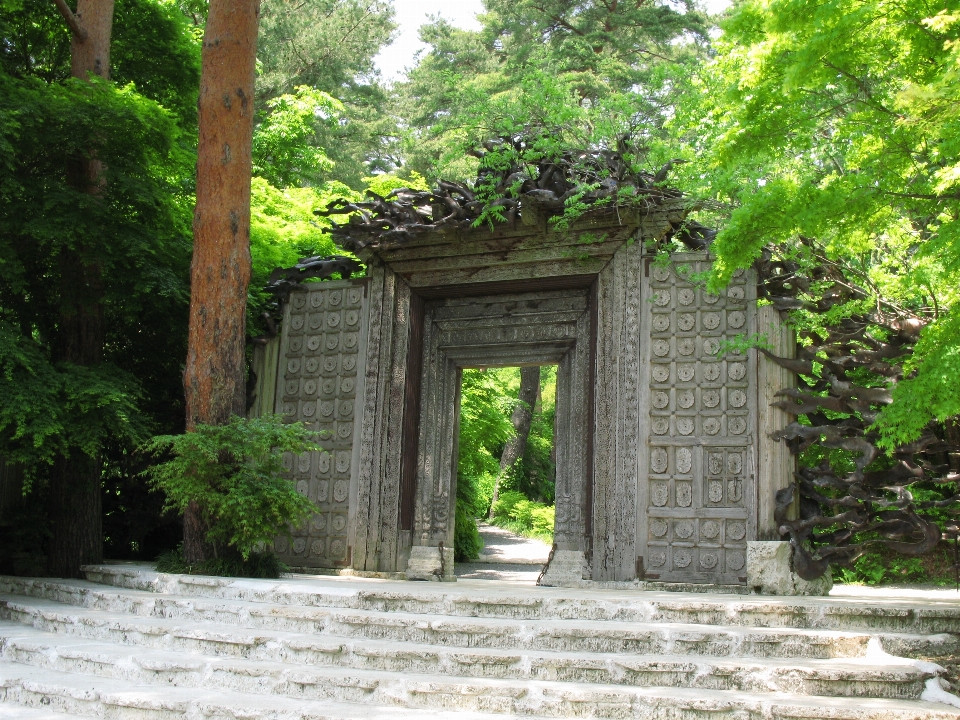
{"x":427,"y":563}
{"x":769,"y":572}
{"x":565,"y":569}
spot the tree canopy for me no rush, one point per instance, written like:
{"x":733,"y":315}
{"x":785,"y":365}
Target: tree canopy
{"x":837,"y":121}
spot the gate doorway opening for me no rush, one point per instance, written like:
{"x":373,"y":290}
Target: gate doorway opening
{"x":506,"y":471}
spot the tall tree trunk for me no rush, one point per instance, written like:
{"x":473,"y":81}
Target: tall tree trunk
{"x":521,"y":419}
{"x":75,"y":503}
{"x":214,"y":378}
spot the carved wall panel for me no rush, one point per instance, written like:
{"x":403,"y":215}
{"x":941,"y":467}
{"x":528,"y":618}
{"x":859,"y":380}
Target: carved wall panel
{"x":697,"y":499}
{"x":321,"y":359}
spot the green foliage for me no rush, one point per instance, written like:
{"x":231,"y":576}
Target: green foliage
{"x":535,"y":473}
{"x":233,"y":473}
{"x":598,"y":47}
{"x":152,"y":47}
{"x":932,"y":387}
{"x":514,"y":511}
{"x":623,"y":57}
{"x":487,"y":398}
{"x":833,"y":122}
{"x":52,"y":409}
{"x":257,"y":565}
{"x":330,"y":46}
{"x":467,"y":542}
{"x":385,"y":183}
{"x":284,"y":149}
{"x":136,"y":231}
{"x":879,"y":567}
{"x":283,"y":229}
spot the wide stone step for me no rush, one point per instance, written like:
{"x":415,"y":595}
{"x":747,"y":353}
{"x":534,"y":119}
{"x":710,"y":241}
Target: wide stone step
{"x":536,"y":603}
{"x":237,"y":628}
{"x":70,"y":695}
{"x":436,"y":697}
{"x":354,"y":665}
{"x":13,"y":711}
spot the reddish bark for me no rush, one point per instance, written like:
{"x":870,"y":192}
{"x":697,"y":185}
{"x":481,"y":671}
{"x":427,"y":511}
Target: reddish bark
{"x":75,"y":503}
{"x":215,"y":375}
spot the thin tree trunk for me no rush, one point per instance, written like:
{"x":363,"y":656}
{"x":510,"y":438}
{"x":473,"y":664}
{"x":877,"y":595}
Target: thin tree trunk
{"x":75,"y":503}
{"x":215,"y":375}
{"x":521,"y":418}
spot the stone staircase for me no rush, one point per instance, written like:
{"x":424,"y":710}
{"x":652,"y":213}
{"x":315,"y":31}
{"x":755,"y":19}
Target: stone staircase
{"x":134,"y":644}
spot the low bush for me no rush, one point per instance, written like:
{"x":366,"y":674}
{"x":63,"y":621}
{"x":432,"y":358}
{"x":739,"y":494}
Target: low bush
{"x":543,"y":519}
{"x":233,"y":473}
{"x":879,"y":566}
{"x":515,"y":512}
{"x":467,"y":542}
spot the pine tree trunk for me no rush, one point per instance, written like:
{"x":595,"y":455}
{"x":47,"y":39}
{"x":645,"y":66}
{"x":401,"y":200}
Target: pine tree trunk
{"x":521,"y":418}
{"x":215,"y":375}
{"x":75,"y":502}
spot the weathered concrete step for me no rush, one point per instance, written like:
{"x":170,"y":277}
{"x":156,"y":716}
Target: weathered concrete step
{"x":82,"y":696}
{"x":481,"y":631}
{"x":12,"y":711}
{"x":535,"y":603}
{"x":441,"y":697}
{"x":360,"y":664}
{"x":221,"y":627}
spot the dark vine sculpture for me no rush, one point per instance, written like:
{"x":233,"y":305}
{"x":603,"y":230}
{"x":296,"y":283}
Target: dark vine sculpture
{"x":843,"y":380}
{"x":283,"y":281}
{"x":602,"y":179}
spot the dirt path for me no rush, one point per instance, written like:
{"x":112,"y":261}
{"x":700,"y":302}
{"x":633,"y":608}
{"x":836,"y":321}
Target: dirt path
{"x":505,"y":556}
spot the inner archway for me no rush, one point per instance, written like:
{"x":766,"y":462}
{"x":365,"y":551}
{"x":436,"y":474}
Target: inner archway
{"x":534,"y":328}
{"x":506,"y":472}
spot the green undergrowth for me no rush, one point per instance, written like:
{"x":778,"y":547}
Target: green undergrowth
{"x":883,"y":567}
{"x":257,"y":565}
{"x":517,"y":513}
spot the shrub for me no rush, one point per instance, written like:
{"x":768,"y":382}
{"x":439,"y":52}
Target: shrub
{"x":233,"y":473}
{"x":466,"y":538}
{"x":514,"y":511}
{"x":543,"y":519}
{"x":467,"y":542}
{"x":257,"y":565}
{"x":505,"y":504}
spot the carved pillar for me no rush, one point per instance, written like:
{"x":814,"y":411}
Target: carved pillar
{"x":617,"y":417}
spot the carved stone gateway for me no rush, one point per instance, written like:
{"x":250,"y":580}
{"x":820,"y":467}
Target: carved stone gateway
{"x":660,"y":459}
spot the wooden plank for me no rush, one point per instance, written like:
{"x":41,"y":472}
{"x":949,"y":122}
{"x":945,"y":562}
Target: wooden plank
{"x":777,"y":463}
{"x":465,"y":260}
{"x":392,"y":463}
{"x":411,"y":414}
{"x":628,"y":421}
{"x":364,"y":551}
{"x":264,"y":366}
{"x":487,"y":245}
{"x":508,"y":287}
{"x":607,"y":394}
{"x":500,"y":273}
